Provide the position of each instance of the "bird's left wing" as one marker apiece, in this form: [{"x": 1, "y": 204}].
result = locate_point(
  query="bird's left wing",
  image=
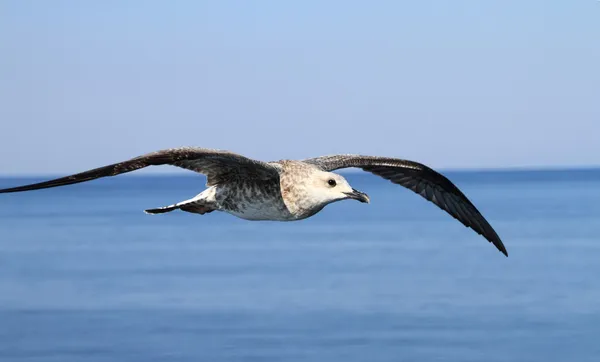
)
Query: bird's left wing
[
  {"x": 422, "y": 180},
  {"x": 217, "y": 165}
]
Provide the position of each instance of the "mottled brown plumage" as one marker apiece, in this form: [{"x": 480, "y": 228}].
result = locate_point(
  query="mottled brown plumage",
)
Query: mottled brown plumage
[{"x": 287, "y": 190}]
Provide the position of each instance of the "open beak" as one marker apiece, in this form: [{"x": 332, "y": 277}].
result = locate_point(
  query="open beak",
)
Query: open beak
[{"x": 357, "y": 195}]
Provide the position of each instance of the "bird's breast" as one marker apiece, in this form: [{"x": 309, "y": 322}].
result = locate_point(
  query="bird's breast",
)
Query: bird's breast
[
  {"x": 261, "y": 212},
  {"x": 254, "y": 201}
]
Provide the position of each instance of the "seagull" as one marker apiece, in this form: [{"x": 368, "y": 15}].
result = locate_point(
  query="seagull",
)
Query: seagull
[{"x": 287, "y": 190}]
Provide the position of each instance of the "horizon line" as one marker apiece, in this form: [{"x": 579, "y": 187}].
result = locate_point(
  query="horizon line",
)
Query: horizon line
[{"x": 176, "y": 172}]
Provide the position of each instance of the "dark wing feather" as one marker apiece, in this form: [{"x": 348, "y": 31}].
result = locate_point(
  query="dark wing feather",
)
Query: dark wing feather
[
  {"x": 422, "y": 180},
  {"x": 218, "y": 166}
]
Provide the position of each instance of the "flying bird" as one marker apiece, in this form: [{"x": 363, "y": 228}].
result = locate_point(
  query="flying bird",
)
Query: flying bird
[{"x": 287, "y": 190}]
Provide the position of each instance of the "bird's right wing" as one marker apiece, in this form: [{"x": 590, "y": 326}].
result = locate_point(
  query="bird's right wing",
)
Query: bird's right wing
[
  {"x": 422, "y": 180},
  {"x": 219, "y": 166}
]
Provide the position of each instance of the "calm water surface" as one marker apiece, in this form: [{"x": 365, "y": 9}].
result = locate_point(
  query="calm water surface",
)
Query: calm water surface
[{"x": 86, "y": 276}]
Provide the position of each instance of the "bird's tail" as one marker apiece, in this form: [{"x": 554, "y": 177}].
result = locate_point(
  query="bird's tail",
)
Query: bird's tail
[
  {"x": 161, "y": 210},
  {"x": 193, "y": 207},
  {"x": 198, "y": 205}
]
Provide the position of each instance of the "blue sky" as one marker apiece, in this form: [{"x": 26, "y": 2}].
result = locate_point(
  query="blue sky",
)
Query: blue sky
[{"x": 454, "y": 84}]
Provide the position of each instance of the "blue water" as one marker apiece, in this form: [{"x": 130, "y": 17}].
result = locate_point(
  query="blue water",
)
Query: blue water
[{"x": 86, "y": 276}]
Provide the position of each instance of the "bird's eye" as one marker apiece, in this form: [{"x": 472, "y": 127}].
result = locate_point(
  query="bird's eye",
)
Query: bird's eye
[{"x": 331, "y": 182}]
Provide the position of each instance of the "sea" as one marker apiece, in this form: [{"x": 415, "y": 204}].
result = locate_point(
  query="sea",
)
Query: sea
[{"x": 85, "y": 275}]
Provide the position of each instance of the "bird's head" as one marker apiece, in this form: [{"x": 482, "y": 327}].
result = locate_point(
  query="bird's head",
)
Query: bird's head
[{"x": 328, "y": 187}]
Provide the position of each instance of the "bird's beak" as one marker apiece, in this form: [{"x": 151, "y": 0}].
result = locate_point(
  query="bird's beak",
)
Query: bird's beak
[{"x": 357, "y": 195}]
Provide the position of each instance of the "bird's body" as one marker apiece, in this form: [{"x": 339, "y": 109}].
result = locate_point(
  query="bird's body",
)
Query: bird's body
[
  {"x": 248, "y": 200},
  {"x": 282, "y": 198},
  {"x": 287, "y": 190}
]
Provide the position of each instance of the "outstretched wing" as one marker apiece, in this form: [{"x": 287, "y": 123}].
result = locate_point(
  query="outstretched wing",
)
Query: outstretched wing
[
  {"x": 424, "y": 181},
  {"x": 218, "y": 166}
]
